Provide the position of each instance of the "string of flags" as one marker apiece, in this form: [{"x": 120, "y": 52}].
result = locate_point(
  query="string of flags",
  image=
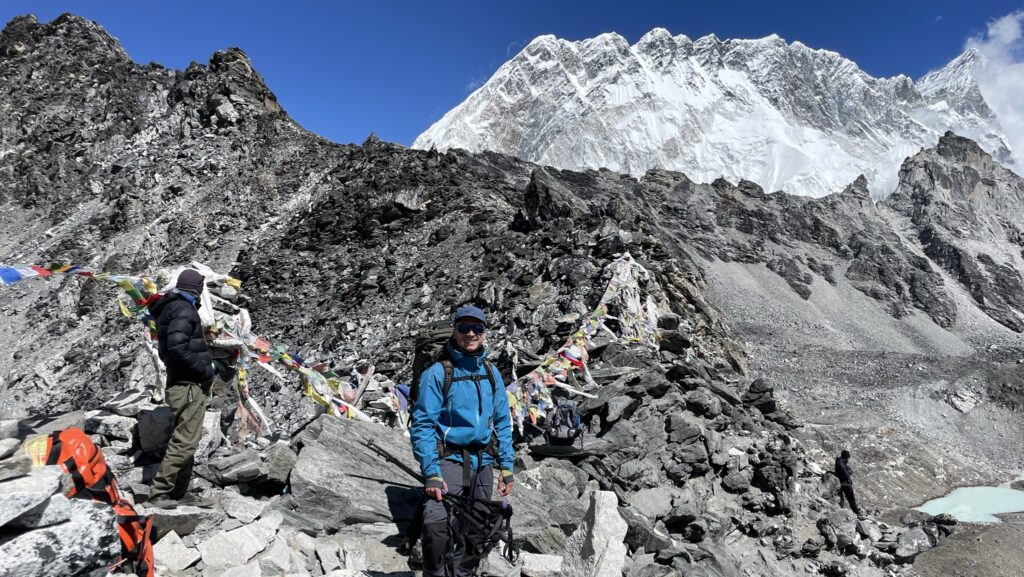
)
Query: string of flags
[
  {"x": 636, "y": 319},
  {"x": 229, "y": 328}
]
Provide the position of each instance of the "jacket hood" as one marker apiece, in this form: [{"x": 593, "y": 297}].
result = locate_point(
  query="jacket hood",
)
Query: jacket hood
[{"x": 162, "y": 302}]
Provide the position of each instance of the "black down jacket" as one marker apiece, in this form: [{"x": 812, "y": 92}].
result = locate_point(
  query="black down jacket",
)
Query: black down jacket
[{"x": 180, "y": 335}]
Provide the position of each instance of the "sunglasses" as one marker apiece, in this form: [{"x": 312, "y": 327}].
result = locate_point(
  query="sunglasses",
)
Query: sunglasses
[{"x": 465, "y": 328}]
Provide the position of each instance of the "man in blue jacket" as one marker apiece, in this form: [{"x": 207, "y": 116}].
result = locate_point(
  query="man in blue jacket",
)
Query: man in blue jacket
[{"x": 461, "y": 412}]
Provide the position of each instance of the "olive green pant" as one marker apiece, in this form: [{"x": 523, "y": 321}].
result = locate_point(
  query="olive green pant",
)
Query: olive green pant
[{"x": 188, "y": 405}]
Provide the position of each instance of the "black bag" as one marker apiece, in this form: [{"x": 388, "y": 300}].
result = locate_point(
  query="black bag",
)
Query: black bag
[
  {"x": 481, "y": 526},
  {"x": 563, "y": 424}
]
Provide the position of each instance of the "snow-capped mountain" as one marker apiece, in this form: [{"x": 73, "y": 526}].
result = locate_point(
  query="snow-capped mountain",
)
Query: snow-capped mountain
[{"x": 785, "y": 116}]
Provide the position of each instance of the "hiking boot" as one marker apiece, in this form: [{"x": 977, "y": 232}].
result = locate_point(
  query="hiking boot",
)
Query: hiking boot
[
  {"x": 190, "y": 500},
  {"x": 162, "y": 502}
]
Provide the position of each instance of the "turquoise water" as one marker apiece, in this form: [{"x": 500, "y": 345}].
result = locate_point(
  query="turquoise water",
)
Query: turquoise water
[{"x": 977, "y": 504}]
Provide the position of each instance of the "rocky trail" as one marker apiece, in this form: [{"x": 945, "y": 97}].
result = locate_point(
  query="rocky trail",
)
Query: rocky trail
[{"x": 343, "y": 252}]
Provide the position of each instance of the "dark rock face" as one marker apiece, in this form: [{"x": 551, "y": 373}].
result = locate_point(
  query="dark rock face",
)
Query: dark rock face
[{"x": 959, "y": 199}]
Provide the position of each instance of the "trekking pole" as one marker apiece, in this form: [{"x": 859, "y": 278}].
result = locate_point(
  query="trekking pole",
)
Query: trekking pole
[{"x": 394, "y": 460}]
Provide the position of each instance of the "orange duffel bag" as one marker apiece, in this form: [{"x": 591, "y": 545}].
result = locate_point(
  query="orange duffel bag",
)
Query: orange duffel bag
[{"x": 73, "y": 450}]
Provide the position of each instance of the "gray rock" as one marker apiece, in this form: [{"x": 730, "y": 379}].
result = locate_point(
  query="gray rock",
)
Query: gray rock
[
  {"x": 543, "y": 525},
  {"x": 243, "y": 467},
  {"x": 88, "y": 543},
  {"x": 185, "y": 520},
  {"x": 171, "y": 553},
  {"x": 8, "y": 447},
  {"x": 654, "y": 503},
  {"x": 328, "y": 552},
  {"x": 235, "y": 548},
  {"x": 23, "y": 494},
  {"x": 338, "y": 477},
  {"x": 16, "y": 466},
  {"x": 277, "y": 558},
  {"x": 46, "y": 424},
  {"x": 597, "y": 547},
  {"x": 8, "y": 428},
  {"x": 245, "y": 509},
  {"x": 535, "y": 565},
  {"x": 736, "y": 482},
  {"x": 109, "y": 425},
  {"x": 129, "y": 403},
  {"x": 280, "y": 459},
  {"x": 869, "y": 529},
  {"x": 54, "y": 510},
  {"x": 911, "y": 543}
]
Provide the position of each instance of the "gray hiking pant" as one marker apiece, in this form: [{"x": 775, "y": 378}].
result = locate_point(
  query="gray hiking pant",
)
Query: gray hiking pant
[
  {"x": 436, "y": 544},
  {"x": 188, "y": 405}
]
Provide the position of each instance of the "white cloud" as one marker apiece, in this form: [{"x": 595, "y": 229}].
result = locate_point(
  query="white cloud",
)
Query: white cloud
[{"x": 1001, "y": 78}]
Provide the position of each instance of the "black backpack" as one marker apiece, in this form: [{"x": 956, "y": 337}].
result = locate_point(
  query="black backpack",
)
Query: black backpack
[{"x": 563, "y": 424}]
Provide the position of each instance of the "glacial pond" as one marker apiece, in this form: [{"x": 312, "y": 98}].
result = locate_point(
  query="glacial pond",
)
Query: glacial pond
[{"x": 977, "y": 504}]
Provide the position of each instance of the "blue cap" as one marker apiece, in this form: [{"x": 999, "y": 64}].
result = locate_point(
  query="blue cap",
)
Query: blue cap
[{"x": 471, "y": 312}]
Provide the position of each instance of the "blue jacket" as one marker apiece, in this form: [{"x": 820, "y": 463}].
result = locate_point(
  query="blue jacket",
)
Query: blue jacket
[{"x": 468, "y": 416}]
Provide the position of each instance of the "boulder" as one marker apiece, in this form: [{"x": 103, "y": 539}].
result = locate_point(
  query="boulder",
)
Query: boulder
[
  {"x": 185, "y": 520},
  {"x": 23, "y": 494},
  {"x": 654, "y": 503},
  {"x": 534, "y": 565},
  {"x": 46, "y": 424},
  {"x": 129, "y": 403},
  {"x": 597, "y": 548},
  {"x": 236, "y": 547},
  {"x": 911, "y": 543},
  {"x": 280, "y": 459},
  {"x": 8, "y": 428},
  {"x": 245, "y": 509},
  {"x": 541, "y": 526},
  {"x": 16, "y": 466},
  {"x": 341, "y": 475},
  {"x": 8, "y": 447},
  {"x": 243, "y": 467},
  {"x": 109, "y": 425},
  {"x": 88, "y": 540},
  {"x": 170, "y": 553},
  {"x": 277, "y": 558},
  {"x": 54, "y": 510},
  {"x": 736, "y": 482}
]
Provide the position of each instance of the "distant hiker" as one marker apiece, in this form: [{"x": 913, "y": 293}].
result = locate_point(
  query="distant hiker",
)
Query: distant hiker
[
  {"x": 189, "y": 364},
  {"x": 460, "y": 408},
  {"x": 845, "y": 474}
]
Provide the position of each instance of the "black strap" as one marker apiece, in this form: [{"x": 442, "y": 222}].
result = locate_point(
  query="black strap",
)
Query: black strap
[{"x": 76, "y": 476}]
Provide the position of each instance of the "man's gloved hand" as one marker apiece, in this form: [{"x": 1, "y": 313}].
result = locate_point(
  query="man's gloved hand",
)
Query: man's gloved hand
[
  {"x": 434, "y": 490},
  {"x": 505, "y": 485}
]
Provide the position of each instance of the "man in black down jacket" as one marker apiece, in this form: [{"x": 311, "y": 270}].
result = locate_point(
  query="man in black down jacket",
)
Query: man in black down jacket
[
  {"x": 189, "y": 375},
  {"x": 845, "y": 474}
]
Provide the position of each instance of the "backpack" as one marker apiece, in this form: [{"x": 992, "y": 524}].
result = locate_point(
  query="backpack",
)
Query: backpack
[
  {"x": 82, "y": 459},
  {"x": 430, "y": 348},
  {"x": 563, "y": 424}
]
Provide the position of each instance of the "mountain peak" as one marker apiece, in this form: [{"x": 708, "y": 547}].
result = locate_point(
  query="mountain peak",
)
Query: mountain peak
[{"x": 786, "y": 116}]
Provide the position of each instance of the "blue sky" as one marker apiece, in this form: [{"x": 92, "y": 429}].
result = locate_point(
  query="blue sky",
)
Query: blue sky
[{"x": 344, "y": 69}]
